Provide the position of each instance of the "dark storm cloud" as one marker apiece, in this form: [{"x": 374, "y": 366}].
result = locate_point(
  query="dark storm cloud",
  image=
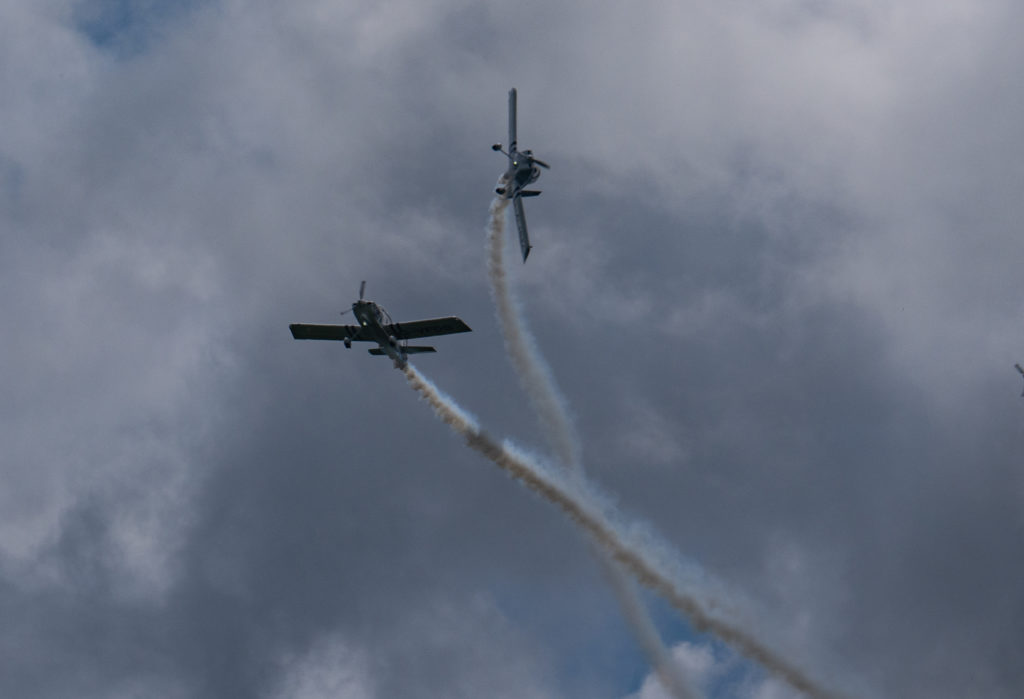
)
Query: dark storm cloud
[{"x": 776, "y": 275}]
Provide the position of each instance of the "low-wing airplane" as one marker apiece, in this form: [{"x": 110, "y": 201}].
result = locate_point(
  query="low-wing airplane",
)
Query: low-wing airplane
[
  {"x": 1021, "y": 373},
  {"x": 375, "y": 325},
  {"x": 522, "y": 170}
]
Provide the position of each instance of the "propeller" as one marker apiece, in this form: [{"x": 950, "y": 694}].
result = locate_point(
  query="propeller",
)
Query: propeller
[
  {"x": 540, "y": 162},
  {"x": 362, "y": 290}
]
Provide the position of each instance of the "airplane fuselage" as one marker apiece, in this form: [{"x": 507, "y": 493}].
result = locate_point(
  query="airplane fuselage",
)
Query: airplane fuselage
[
  {"x": 521, "y": 172},
  {"x": 371, "y": 320}
]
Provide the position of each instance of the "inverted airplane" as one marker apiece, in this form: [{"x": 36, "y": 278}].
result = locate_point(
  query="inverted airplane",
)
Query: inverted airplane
[
  {"x": 375, "y": 325},
  {"x": 522, "y": 170},
  {"x": 1021, "y": 373}
]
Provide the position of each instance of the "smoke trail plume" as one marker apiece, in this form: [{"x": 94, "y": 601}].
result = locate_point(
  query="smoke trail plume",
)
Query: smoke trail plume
[
  {"x": 649, "y": 561},
  {"x": 533, "y": 372},
  {"x": 666, "y": 668},
  {"x": 539, "y": 384}
]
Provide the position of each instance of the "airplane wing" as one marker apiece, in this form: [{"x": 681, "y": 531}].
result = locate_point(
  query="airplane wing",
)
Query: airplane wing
[
  {"x": 307, "y": 331},
  {"x": 427, "y": 328},
  {"x": 524, "y": 238},
  {"x": 511, "y": 120}
]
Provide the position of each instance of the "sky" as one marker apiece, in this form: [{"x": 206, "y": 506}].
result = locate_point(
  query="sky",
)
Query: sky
[{"x": 776, "y": 276}]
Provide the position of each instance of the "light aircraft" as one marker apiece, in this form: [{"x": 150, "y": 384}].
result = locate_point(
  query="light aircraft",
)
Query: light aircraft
[
  {"x": 375, "y": 325},
  {"x": 1021, "y": 373},
  {"x": 522, "y": 170}
]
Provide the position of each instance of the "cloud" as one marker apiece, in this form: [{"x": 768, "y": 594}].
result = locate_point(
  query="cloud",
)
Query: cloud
[
  {"x": 797, "y": 223},
  {"x": 717, "y": 672},
  {"x": 331, "y": 668}
]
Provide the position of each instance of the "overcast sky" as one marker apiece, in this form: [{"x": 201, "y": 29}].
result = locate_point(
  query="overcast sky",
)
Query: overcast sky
[{"x": 776, "y": 273}]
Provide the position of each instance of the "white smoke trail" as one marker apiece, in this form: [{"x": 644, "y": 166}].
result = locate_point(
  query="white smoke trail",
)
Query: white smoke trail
[
  {"x": 668, "y": 671},
  {"x": 649, "y": 561},
  {"x": 539, "y": 384},
  {"x": 533, "y": 371}
]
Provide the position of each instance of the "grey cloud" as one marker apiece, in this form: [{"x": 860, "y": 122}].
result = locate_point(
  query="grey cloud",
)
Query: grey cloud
[{"x": 790, "y": 239}]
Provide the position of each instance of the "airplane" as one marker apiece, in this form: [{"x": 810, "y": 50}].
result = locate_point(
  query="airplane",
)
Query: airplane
[
  {"x": 375, "y": 325},
  {"x": 522, "y": 170},
  {"x": 1021, "y": 373}
]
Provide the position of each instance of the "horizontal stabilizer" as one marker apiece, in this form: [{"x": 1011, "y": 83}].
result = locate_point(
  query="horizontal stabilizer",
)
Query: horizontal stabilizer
[
  {"x": 378, "y": 352},
  {"x": 529, "y": 193}
]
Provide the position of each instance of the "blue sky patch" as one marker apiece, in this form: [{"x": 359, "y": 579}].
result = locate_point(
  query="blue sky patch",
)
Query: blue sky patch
[{"x": 128, "y": 27}]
